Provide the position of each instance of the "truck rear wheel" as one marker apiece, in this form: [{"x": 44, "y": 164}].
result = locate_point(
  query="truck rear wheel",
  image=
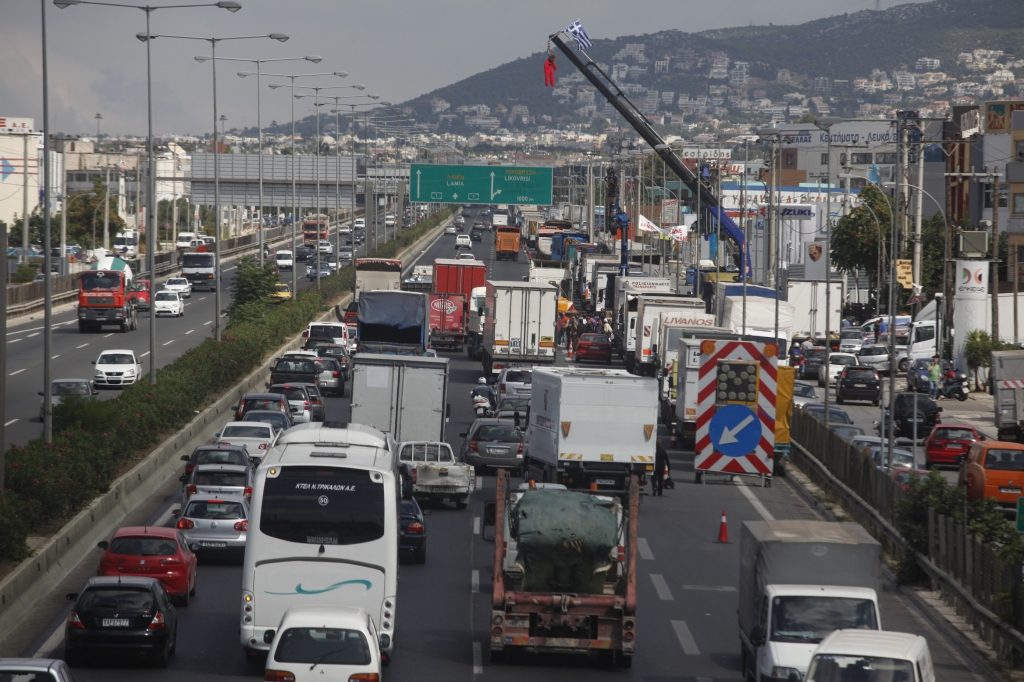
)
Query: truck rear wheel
[{"x": 83, "y": 326}]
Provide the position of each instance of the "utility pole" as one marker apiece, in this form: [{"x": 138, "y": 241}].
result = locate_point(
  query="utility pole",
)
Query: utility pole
[
  {"x": 918, "y": 211},
  {"x": 994, "y": 276},
  {"x": 24, "y": 200}
]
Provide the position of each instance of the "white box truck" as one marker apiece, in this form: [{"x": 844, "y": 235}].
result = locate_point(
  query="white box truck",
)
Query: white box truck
[
  {"x": 799, "y": 581},
  {"x": 684, "y": 379},
  {"x": 402, "y": 395},
  {"x": 627, "y": 292},
  {"x": 591, "y": 427},
  {"x": 519, "y": 325},
  {"x": 650, "y": 309}
]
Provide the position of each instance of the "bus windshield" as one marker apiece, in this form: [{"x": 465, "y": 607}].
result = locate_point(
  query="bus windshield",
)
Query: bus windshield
[{"x": 323, "y": 506}]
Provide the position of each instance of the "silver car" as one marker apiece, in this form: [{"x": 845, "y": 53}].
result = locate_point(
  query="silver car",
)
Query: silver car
[
  {"x": 218, "y": 479},
  {"x": 63, "y": 388},
  {"x": 36, "y": 669},
  {"x": 874, "y": 356},
  {"x": 215, "y": 522},
  {"x": 513, "y": 381},
  {"x": 495, "y": 443}
]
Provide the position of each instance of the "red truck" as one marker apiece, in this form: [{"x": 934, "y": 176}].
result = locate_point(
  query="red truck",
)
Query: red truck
[
  {"x": 456, "y": 279},
  {"x": 565, "y": 569},
  {"x": 447, "y": 321},
  {"x": 103, "y": 299}
]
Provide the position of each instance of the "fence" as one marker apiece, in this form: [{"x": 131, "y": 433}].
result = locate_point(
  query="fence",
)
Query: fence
[{"x": 982, "y": 586}]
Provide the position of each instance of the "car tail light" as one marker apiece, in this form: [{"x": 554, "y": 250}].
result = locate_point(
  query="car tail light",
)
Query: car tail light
[
  {"x": 242, "y": 525},
  {"x": 158, "y": 622},
  {"x": 474, "y": 446},
  {"x": 248, "y": 491},
  {"x": 414, "y": 528},
  {"x": 191, "y": 489},
  {"x": 186, "y": 524},
  {"x": 278, "y": 676},
  {"x": 620, "y": 553},
  {"x": 335, "y": 374},
  {"x": 364, "y": 677},
  {"x": 305, "y": 404},
  {"x": 74, "y": 622}
]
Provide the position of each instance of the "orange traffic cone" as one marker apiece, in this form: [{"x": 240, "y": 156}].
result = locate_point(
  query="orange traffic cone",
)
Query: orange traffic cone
[
  {"x": 723, "y": 530},
  {"x": 568, "y": 351}
]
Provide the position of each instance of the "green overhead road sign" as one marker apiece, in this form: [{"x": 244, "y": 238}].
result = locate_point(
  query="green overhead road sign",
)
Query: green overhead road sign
[{"x": 480, "y": 184}]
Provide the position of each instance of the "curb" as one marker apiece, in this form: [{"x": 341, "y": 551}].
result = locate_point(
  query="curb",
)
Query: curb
[{"x": 41, "y": 573}]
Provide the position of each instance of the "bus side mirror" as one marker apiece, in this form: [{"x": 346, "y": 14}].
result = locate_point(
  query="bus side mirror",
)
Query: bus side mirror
[{"x": 490, "y": 513}]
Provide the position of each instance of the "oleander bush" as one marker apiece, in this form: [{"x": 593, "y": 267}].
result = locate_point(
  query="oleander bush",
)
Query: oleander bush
[{"x": 95, "y": 441}]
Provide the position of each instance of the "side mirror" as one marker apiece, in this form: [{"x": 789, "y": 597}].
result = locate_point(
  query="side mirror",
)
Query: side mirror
[
  {"x": 194, "y": 547},
  {"x": 176, "y": 512},
  {"x": 757, "y": 635},
  {"x": 103, "y": 544},
  {"x": 464, "y": 434},
  {"x": 183, "y": 478},
  {"x": 268, "y": 636},
  {"x": 94, "y": 362},
  {"x": 490, "y": 513},
  {"x": 184, "y": 458}
]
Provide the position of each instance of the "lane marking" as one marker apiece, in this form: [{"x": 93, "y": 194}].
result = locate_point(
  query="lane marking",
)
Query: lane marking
[
  {"x": 476, "y": 525},
  {"x": 644, "y": 549},
  {"x": 82, "y": 345},
  {"x": 708, "y": 588},
  {"x": 474, "y": 582},
  {"x": 203, "y": 298},
  {"x": 478, "y": 659},
  {"x": 207, "y": 323},
  {"x": 32, "y": 334},
  {"x": 17, "y": 371},
  {"x": 107, "y": 336},
  {"x": 11, "y": 422},
  {"x": 479, "y": 482},
  {"x": 685, "y": 637},
  {"x": 756, "y": 503},
  {"x": 54, "y": 357},
  {"x": 144, "y": 354},
  {"x": 661, "y": 587},
  {"x": 189, "y": 332},
  {"x": 14, "y": 341},
  {"x": 166, "y": 343}
]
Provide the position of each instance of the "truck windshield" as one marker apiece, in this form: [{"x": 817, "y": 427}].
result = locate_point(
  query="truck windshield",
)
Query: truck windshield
[
  {"x": 197, "y": 260},
  {"x": 98, "y": 281},
  {"x": 838, "y": 668},
  {"x": 811, "y": 619}
]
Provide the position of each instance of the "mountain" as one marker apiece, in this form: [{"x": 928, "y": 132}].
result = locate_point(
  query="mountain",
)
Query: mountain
[{"x": 844, "y": 47}]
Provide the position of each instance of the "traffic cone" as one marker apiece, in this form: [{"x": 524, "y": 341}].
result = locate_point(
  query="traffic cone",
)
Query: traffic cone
[
  {"x": 568, "y": 351},
  {"x": 723, "y": 530}
]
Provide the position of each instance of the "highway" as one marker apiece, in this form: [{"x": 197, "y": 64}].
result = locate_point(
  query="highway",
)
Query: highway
[{"x": 687, "y": 581}]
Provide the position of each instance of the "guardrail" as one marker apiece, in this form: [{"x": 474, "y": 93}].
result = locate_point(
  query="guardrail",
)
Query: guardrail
[{"x": 983, "y": 587}]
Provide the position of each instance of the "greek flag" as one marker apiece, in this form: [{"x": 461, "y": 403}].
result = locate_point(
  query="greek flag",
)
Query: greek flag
[{"x": 576, "y": 30}]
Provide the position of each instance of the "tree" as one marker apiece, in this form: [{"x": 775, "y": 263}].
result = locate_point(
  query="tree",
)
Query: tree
[
  {"x": 978, "y": 353},
  {"x": 857, "y": 236},
  {"x": 933, "y": 254},
  {"x": 253, "y": 283},
  {"x": 85, "y": 215}
]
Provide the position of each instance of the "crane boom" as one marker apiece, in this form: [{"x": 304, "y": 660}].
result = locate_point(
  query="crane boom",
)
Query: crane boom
[{"x": 618, "y": 99}]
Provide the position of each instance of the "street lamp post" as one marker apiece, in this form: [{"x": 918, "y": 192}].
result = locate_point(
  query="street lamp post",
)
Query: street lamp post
[
  {"x": 337, "y": 166},
  {"x": 352, "y": 198},
  {"x": 259, "y": 122},
  {"x": 213, "y": 40},
  {"x": 229, "y": 5}
]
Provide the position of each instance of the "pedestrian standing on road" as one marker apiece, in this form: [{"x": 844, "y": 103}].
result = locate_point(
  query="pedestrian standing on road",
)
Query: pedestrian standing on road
[
  {"x": 560, "y": 329},
  {"x": 934, "y": 375},
  {"x": 607, "y": 327},
  {"x": 574, "y": 332},
  {"x": 660, "y": 466}
]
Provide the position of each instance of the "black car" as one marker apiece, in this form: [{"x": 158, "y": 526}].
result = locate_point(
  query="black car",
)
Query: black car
[
  {"x": 304, "y": 252},
  {"x": 813, "y": 359},
  {"x": 475, "y": 234},
  {"x": 911, "y": 409},
  {"x": 293, "y": 370},
  {"x": 835, "y": 414},
  {"x": 858, "y": 383},
  {"x": 413, "y": 539},
  {"x": 121, "y": 614}
]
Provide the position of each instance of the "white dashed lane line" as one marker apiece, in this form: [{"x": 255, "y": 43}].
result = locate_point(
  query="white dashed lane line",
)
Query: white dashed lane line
[
  {"x": 10, "y": 422},
  {"x": 644, "y": 549},
  {"x": 82, "y": 345},
  {"x": 685, "y": 637},
  {"x": 17, "y": 371},
  {"x": 661, "y": 587}
]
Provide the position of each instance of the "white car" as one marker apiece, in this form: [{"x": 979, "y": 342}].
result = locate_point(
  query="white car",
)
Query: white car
[
  {"x": 450, "y": 230},
  {"x": 324, "y": 643},
  {"x": 326, "y": 246},
  {"x": 827, "y": 375},
  {"x": 465, "y": 255},
  {"x": 463, "y": 241},
  {"x": 116, "y": 368},
  {"x": 179, "y": 285},
  {"x": 168, "y": 303},
  {"x": 359, "y": 223},
  {"x": 285, "y": 260},
  {"x": 257, "y": 437}
]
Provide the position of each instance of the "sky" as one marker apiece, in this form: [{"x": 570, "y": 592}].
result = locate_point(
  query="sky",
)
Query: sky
[{"x": 399, "y": 49}]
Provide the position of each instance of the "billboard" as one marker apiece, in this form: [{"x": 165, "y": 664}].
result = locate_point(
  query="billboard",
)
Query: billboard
[
  {"x": 815, "y": 261},
  {"x": 998, "y": 115}
]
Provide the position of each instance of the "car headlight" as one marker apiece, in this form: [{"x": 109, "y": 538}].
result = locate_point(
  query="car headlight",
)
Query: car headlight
[
  {"x": 789, "y": 674},
  {"x": 99, "y": 374}
]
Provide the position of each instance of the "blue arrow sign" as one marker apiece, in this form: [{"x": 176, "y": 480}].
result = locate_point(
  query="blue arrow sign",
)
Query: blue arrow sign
[
  {"x": 735, "y": 430},
  {"x": 6, "y": 168}
]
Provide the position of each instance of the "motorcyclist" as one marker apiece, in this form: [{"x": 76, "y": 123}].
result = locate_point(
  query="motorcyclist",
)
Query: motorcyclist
[{"x": 483, "y": 389}]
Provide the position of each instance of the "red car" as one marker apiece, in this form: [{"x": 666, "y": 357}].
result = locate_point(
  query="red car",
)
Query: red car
[
  {"x": 152, "y": 552},
  {"x": 138, "y": 293},
  {"x": 948, "y": 444},
  {"x": 594, "y": 347}
]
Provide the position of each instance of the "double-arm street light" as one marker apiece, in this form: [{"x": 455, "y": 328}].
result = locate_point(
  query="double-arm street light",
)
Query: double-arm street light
[
  {"x": 213, "y": 40},
  {"x": 337, "y": 169},
  {"x": 295, "y": 207},
  {"x": 229, "y": 5},
  {"x": 259, "y": 122},
  {"x": 352, "y": 111}
]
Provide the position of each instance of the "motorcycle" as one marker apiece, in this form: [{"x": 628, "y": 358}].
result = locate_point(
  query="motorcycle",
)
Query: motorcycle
[
  {"x": 483, "y": 401},
  {"x": 954, "y": 386}
]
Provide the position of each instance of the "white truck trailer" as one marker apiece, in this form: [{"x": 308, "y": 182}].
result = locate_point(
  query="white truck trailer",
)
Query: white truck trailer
[
  {"x": 650, "y": 309},
  {"x": 402, "y": 395},
  {"x": 519, "y": 325},
  {"x": 591, "y": 428}
]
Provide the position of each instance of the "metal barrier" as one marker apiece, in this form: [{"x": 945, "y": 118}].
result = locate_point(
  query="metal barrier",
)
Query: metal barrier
[{"x": 983, "y": 587}]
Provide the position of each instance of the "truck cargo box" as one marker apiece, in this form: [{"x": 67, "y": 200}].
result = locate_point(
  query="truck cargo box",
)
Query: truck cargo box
[{"x": 405, "y": 396}]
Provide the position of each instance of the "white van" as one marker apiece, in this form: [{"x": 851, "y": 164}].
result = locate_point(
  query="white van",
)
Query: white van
[
  {"x": 337, "y": 332},
  {"x": 853, "y": 655},
  {"x": 186, "y": 240},
  {"x": 285, "y": 260}
]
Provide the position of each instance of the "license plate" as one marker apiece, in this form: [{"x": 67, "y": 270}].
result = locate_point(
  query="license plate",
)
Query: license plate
[
  {"x": 860, "y": 385},
  {"x": 214, "y": 545},
  {"x": 442, "y": 472},
  {"x": 497, "y": 451},
  {"x": 115, "y": 622},
  {"x": 604, "y": 481},
  {"x": 1010, "y": 491}
]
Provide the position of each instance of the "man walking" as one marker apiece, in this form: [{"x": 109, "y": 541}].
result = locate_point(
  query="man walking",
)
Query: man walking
[
  {"x": 934, "y": 375},
  {"x": 660, "y": 465}
]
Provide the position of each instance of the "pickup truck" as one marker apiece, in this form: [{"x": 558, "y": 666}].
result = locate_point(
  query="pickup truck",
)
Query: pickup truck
[
  {"x": 437, "y": 473},
  {"x": 294, "y": 370}
]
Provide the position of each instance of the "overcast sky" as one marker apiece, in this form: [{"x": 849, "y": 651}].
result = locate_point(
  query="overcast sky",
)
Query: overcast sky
[{"x": 398, "y": 48}]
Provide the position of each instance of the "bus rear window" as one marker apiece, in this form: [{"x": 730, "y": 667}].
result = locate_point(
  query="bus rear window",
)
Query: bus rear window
[{"x": 323, "y": 506}]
